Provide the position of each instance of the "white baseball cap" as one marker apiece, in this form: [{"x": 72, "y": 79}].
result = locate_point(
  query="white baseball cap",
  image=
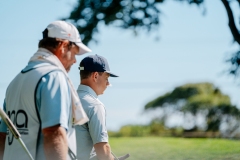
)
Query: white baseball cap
[{"x": 67, "y": 31}]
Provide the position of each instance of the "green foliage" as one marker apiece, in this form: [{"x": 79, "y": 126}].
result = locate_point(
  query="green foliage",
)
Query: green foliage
[
  {"x": 199, "y": 98},
  {"x": 200, "y": 95},
  {"x": 234, "y": 61},
  {"x": 125, "y": 14},
  {"x": 135, "y": 15},
  {"x": 155, "y": 128},
  {"x": 133, "y": 131}
]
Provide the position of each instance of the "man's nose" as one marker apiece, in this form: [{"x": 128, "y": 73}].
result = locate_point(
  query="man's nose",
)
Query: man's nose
[{"x": 109, "y": 84}]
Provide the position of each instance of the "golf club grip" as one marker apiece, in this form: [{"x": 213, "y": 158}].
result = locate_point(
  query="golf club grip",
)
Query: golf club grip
[
  {"x": 124, "y": 157},
  {"x": 10, "y": 125}
]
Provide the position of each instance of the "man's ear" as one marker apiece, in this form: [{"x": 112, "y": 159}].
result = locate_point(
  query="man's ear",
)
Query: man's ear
[
  {"x": 95, "y": 76},
  {"x": 59, "y": 49}
]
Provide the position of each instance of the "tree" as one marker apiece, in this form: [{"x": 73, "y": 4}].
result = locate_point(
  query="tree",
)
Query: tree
[
  {"x": 199, "y": 99},
  {"x": 136, "y": 15}
]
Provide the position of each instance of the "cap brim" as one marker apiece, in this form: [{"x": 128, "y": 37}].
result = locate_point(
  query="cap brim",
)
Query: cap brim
[
  {"x": 111, "y": 74},
  {"x": 82, "y": 48}
]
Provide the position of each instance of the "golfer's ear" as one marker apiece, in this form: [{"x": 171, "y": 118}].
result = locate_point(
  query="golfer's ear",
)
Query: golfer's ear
[
  {"x": 58, "y": 51},
  {"x": 95, "y": 76}
]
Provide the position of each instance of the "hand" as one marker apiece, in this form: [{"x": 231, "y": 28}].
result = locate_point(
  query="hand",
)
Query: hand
[{"x": 123, "y": 157}]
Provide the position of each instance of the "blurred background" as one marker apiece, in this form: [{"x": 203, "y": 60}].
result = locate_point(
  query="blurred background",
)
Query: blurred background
[{"x": 183, "y": 42}]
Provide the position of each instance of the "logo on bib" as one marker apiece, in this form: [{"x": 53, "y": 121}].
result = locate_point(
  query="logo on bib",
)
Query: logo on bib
[{"x": 20, "y": 120}]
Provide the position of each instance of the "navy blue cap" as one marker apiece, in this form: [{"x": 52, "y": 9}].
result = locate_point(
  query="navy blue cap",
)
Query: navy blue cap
[{"x": 95, "y": 63}]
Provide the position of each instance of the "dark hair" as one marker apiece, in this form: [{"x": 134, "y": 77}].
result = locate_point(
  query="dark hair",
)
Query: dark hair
[
  {"x": 85, "y": 74},
  {"x": 48, "y": 43},
  {"x": 52, "y": 43}
]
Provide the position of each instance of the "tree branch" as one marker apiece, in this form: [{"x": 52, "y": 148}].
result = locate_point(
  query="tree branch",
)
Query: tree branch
[{"x": 231, "y": 23}]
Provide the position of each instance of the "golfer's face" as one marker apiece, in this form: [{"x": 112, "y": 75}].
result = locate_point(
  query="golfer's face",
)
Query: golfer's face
[
  {"x": 69, "y": 58},
  {"x": 102, "y": 82}
]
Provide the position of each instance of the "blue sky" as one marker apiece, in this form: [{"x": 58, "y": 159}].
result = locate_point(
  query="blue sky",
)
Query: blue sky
[{"x": 192, "y": 48}]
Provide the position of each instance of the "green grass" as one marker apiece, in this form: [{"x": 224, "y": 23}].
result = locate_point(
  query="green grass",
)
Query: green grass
[{"x": 160, "y": 148}]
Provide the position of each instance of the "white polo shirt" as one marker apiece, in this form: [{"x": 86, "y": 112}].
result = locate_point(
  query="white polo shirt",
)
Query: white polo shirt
[{"x": 95, "y": 130}]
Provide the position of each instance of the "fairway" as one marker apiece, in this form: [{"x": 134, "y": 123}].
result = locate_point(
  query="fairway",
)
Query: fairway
[{"x": 160, "y": 148}]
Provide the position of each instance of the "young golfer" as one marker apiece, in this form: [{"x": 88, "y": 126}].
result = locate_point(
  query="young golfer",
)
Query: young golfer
[{"x": 92, "y": 137}]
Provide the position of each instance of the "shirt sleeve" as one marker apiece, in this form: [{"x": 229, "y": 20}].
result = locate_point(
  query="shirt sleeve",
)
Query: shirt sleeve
[
  {"x": 97, "y": 124},
  {"x": 3, "y": 126},
  {"x": 53, "y": 99}
]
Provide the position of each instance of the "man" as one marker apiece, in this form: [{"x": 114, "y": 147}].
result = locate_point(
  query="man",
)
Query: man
[
  {"x": 41, "y": 100},
  {"x": 92, "y": 137},
  {"x": 94, "y": 73}
]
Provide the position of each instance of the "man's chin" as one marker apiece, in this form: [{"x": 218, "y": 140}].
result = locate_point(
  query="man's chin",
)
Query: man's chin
[{"x": 68, "y": 69}]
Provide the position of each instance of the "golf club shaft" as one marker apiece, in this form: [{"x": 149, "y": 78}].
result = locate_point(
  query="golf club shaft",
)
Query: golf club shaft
[
  {"x": 71, "y": 154},
  {"x": 9, "y": 123},
  {"x": 14, "y": 131},
  {"x": 25, "y": 148},
  {"x": 114, "y": 156}
]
